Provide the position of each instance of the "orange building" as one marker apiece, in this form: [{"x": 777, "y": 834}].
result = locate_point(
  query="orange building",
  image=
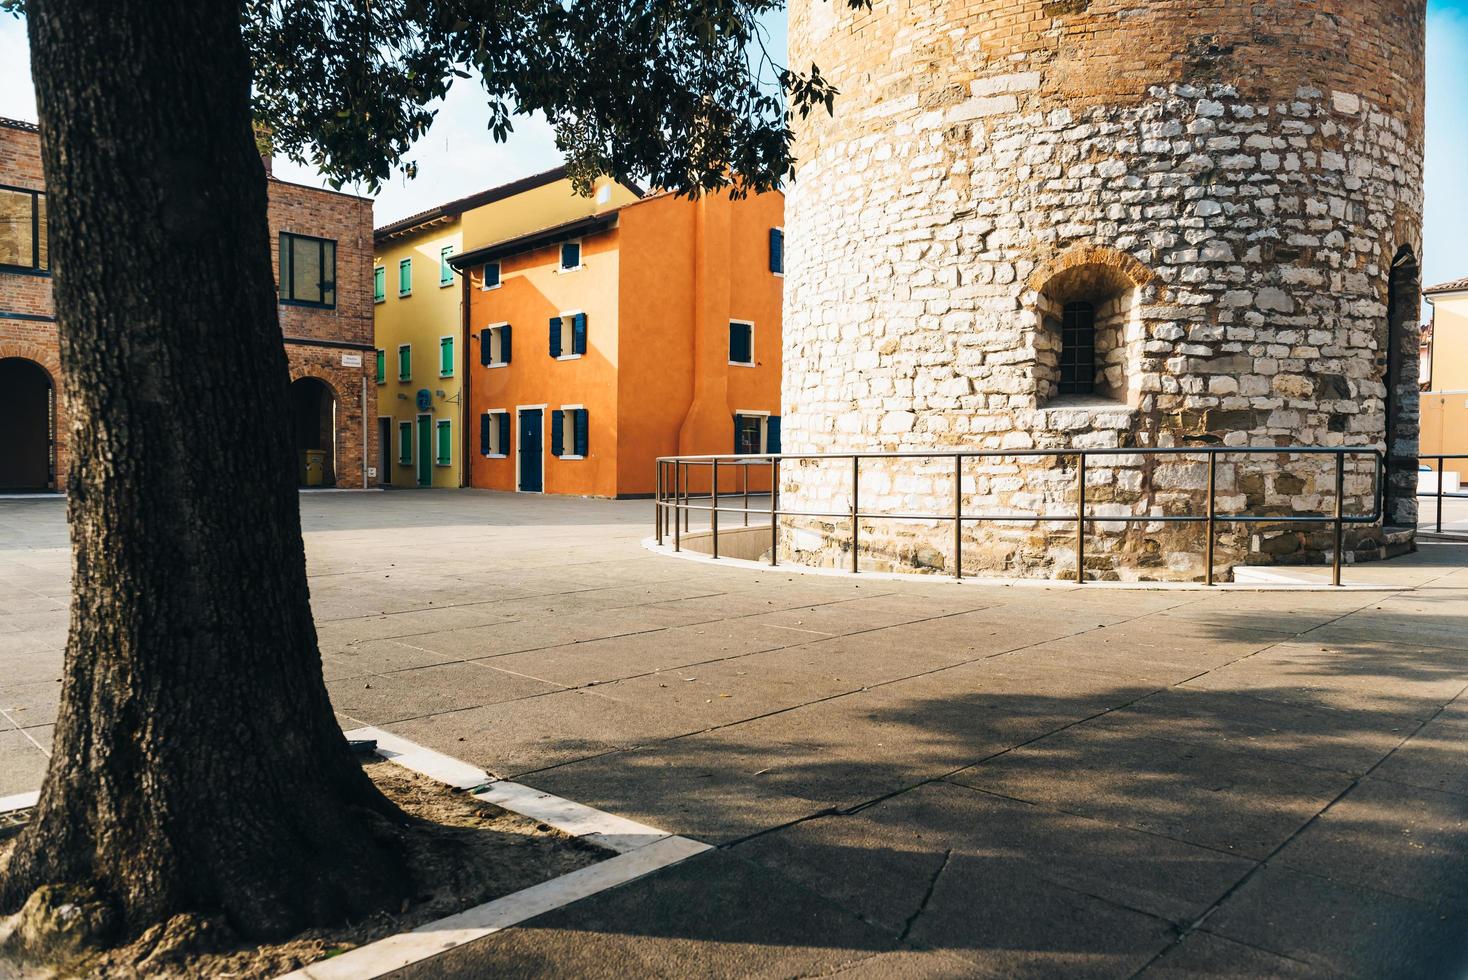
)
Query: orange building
[{"x": 601, "y": 343}]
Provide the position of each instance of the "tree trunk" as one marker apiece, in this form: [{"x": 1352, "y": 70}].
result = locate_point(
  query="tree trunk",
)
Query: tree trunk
[{"x": 197, "y": 766}]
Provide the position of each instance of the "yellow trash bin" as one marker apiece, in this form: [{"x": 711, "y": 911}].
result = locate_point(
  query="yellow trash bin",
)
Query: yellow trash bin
[{"x": 313, "y": 467}]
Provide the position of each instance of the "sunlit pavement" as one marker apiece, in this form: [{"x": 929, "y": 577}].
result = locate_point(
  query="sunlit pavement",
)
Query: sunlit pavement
[{"x": 915, "y": 779}]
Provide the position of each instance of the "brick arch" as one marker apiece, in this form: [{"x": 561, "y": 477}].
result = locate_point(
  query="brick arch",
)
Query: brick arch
[
  {"x": 1094, "y": 256},
  {"x": 47, "y": 359},
  {"x": 302, "y": 373}
]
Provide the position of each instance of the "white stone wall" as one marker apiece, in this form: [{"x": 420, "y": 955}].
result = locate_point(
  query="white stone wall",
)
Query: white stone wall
[{"x": 1256, "y": 240}]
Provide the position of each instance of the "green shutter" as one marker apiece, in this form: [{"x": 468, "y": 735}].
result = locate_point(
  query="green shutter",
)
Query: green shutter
[
  {"x": 405, "y": 277},
  {"x": 379, "y": 284},
  {"x": 405, "y": 363},
  {"x": 381, "y": 365},
  {"x": 445, "y": 435},
  {"x": 405, "y": 443},
  {"x": 445, "y": 271},
  {"x": 446, "y": 357}
]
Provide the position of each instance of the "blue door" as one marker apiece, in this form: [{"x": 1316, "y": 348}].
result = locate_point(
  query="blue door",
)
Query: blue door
[{"x": 532, "y": 423}]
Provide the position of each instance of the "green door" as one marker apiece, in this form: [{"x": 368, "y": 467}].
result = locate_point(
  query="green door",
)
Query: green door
[{"x": 425, "y": 450}]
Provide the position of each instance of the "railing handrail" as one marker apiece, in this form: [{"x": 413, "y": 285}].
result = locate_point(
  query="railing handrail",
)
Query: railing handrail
[{"x": 679, "y": 502}]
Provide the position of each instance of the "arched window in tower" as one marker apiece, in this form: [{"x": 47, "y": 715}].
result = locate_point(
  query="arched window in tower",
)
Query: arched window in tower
[{"x": 1078, "y": 349}]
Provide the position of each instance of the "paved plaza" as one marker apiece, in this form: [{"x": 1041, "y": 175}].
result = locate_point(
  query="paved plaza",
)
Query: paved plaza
[{"x": 914, "y": 779}]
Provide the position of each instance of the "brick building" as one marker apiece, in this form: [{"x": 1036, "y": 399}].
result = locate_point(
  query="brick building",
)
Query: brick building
[
  {"x": 324, "y": 240},
  {"x": 1097, "y": 223}
]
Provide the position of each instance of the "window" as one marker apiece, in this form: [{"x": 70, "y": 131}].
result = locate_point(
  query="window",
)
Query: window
[
  {"x": 568, "y": 335},
  {"x": 494, "y": 433},
  {"x": 443, "y": 442},
  {"x": 405, "y": 277},
  {"x": 23, "y": 244},
  {"x": 405, "y": 443},
  {"x": 379, "y": 284},
  {"x": 569, "y": 432},
  {"x": 445, "y": 357},
  {"x": 1078, "y": 349},
  {"x": 741, "y": 343},
  {"x": 307, "y": 270},
  {"x": 570, "y": 256},
  {"x": 491, "y": 275},
  {"x": 756, "y": 433},
  {"x": 777, "y": 251},
  {"x": 494, "y": 345},
  {"x": 445, "y": 271},
  {"x": 405, "y": 362},
  {"x": 381, "y": 366}
]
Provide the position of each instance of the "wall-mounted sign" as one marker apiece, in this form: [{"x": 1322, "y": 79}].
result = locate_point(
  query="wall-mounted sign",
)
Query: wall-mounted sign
[
  {"x": 425, "y": 399},
  {"x": 351, "y": 360}
]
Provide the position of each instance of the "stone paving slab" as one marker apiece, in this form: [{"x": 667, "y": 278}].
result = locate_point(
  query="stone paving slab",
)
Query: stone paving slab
[{"x": 911, "y": 778}]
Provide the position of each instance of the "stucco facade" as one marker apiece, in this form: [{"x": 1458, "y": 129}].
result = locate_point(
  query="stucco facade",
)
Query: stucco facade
[
  {"x": 1445, "y": 398},
  {"x": 1226, "y": 199},
  {"x": 633, "y": 343}
]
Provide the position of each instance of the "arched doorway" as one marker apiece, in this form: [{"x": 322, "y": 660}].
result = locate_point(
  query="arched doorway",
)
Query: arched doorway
[
  {"x": 27, "y": 427},
  {"x": 313, "y": 427}
]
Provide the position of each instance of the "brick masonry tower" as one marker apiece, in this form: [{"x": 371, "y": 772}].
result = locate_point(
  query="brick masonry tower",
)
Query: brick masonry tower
[{"x": 1103, "y": 223}]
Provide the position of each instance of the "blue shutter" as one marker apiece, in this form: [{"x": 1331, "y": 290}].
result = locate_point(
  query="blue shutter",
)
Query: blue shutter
[
  {"x": 737, "y": 418},
  {"x": 558, "y": 428},
  {"x": 504, "y": 420},
  {"x": 772, "y": 435},
  {"x": 777, "y": 250},
  {"x": 555, "y": 336},
  {"x": 484, "y": 421},
  {"x": 578, "y": 334},
  {"x": 485, "y": 345},
  {"x": 505, "y": 345},
  {"x": 579, "y": 420}
]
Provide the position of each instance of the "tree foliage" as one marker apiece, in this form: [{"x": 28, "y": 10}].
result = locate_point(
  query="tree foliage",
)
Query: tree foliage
[{"x": 678, "y": 93}]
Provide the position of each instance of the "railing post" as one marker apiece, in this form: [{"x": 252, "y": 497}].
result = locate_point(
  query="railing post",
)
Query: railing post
[
  {"x": 714, "y": 507},
  {"x": 774, "y": 511},
  {"x": 677, "y": 505},
  {"x": 744, "y": 467},
  {"x": 855, "y": 512},
  {"x": 1442, "y": 461},
  {"x": 958, "y": 516},
  {"x": 1340, "y": 528},
  {"x": 1081, "y": 519},
  {"x": 1212, "y": 517},
  {"x": 657, "y": 505}
]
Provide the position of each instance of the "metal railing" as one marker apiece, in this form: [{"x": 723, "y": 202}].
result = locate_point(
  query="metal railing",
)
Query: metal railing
[
  {"x": 1441, "y": 459},
  {"x": 673, "y": 497}
]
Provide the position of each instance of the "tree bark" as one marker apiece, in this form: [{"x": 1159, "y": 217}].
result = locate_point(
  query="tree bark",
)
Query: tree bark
[{"x": 197, "y": 766}]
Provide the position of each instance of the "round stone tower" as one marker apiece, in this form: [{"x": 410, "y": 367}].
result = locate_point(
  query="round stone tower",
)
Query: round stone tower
[{"x": 1060, "y": 224}]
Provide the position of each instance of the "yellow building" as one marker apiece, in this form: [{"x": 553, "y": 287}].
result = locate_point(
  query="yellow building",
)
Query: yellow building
[
  {"x": 419, "y": 319},
  {"x": 1445, "y": 380}
]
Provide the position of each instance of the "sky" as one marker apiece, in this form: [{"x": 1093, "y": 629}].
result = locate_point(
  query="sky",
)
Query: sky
[{"x": 458, "y": 156}]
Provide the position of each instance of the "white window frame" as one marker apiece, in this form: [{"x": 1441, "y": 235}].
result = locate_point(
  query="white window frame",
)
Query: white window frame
[
  {"x": 483, "y": 279},
  {"x": 454, "y": 367},
  {"x": 568, "y": 334},
  {"x": 409, "y": 349},
  {"x": 503, "y": 451},
  {"x": 436, "y": 460},
  {"x": 561, "y": 267},
  {"x": 751, "y": 362},
  {"x": 764, "y": 426},
  {"x": 781, "y": 273},
  {"x": 569, "y": 436},
  {"x": 544, "y": 445},
  {"x": 497, "y": 337},
  {"x": 409, "y": 262}
]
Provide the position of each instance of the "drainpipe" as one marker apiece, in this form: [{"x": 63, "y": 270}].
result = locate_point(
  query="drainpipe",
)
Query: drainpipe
[
  {"x": 708, "y": 414},
  {"x": 366, "y": 444},
  {"x": 466, "y": 385}
]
